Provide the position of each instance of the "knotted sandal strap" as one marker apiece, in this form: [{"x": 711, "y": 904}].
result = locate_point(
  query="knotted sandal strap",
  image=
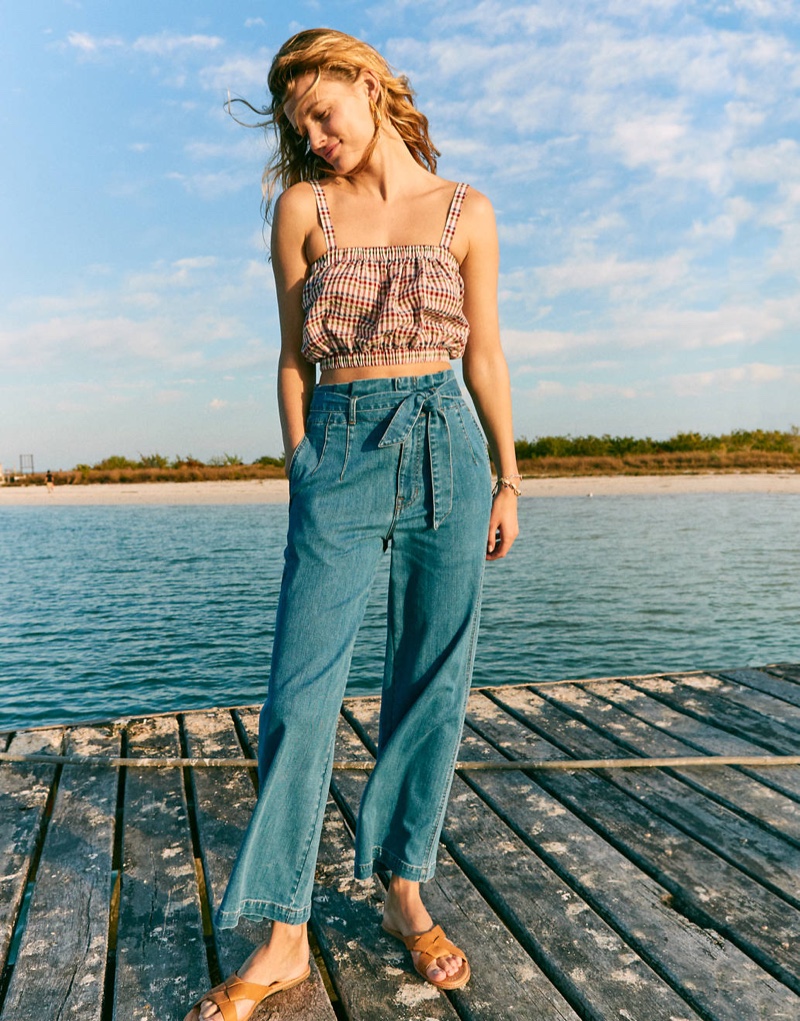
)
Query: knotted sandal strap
[
  {"x": 430, "y": 945},
  {"x": 228, "y": 993},
  {"x": 234, "y": 989}
]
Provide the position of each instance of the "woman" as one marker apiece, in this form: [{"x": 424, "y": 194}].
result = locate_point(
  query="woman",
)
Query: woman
[{"x": 383, "y": 271}]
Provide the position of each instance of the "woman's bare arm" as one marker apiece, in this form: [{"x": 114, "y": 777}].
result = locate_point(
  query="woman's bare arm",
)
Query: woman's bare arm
[
  {"x": 485, "y": 369},
  {"x": 296, "y": 376}
]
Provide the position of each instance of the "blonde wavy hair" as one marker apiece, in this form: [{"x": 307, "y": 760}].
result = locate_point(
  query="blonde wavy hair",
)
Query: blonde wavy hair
[{"x": 326, "y": 52}]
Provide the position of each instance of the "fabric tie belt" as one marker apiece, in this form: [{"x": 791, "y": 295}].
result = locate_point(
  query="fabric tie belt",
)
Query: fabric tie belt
[{"x": 429, "y": 403}]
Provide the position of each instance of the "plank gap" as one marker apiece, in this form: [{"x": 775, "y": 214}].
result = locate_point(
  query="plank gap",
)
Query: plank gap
[
  {"x": 246, "y": 746},
  {"x": 109, "y": 982},
  {"x": 212, "y": 956},
  {"x": 327, "y": 981},
  {"x": 19, "y": 929},
  {"x": 361, "y": 731},
  {"x": 107, "y": 1009}
]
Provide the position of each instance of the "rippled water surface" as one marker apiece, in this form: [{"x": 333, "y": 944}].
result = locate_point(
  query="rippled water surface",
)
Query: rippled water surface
[{"x": 108, "y": 611}]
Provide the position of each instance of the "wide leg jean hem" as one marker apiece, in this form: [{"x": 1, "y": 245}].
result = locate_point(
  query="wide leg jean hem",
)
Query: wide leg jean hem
[
  {"x": 385, "y": 861},
  {"x": 260, "y": 910}
]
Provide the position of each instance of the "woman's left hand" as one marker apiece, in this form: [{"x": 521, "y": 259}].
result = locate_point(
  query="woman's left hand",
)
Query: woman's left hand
[{"x": 503, "y": 524}]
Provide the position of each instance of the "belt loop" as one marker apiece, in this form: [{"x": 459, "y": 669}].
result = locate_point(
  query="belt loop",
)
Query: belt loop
[{"x": 351, "y": 411}]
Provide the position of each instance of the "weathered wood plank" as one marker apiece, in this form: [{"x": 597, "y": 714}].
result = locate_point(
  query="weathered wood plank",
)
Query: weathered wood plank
[
  {"x": 715, "y": 701},
  {"x": 735, "y": 792},
  {"x": 24, "y": 790},
  {"x": 505, "y": 982},
  {"x": 592, "y": 966},
  {"x": 161, "y": 958},
  {"x": 788, "y": 671},
  {"x": 758, "y": 680},
  {"x": 224, "y": 800},
  {"x": 713, "y": 975},
  {"x": 700, "y": 736},
  {"x": 60, "y": 970},
  {"x": 703, "y": 885}
]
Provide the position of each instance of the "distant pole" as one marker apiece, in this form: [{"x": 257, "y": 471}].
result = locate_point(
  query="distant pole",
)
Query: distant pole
[{"x": 26, "y": 464}]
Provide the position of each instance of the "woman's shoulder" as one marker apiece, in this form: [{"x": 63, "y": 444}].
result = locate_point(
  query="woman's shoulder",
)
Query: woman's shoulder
[
  {"x": 475, "y": 206},
  {"x": 476, "y": 203},
  {"x": 296, "y": 199},
  {"x": 295, "y": 214},
  {"x": 476, "y": 221}
]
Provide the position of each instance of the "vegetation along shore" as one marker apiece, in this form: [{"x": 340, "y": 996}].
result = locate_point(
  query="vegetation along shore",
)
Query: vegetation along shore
[{"x": 546, "y": 456}]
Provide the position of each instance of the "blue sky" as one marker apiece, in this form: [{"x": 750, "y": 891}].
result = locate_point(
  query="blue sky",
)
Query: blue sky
[{"x": 643, "y": 158}]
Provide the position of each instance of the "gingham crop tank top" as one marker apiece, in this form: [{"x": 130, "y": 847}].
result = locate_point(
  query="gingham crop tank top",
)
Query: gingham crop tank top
[{"x": 389, "y": 305}]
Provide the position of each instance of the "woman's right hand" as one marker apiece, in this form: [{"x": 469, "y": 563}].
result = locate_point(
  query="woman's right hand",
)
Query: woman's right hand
[{"x": 287, "y": 463}]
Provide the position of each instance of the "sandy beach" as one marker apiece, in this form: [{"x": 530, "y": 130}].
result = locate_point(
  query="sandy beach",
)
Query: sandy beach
[{"x": 276, "y": 490}]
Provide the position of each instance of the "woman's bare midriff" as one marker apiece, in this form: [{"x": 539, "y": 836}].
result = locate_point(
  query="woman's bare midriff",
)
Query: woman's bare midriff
[{"x": 350, "y": 375}]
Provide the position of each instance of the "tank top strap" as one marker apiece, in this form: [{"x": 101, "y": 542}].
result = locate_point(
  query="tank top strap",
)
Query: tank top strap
[
  {"x": 324, "y": 214},
  {"x": 452, "y": 216}
]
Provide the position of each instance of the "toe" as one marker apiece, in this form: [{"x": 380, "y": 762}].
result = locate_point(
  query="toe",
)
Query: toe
[
  {"x": 435, "y": 973},
  {"x": 450, "y": 965}
]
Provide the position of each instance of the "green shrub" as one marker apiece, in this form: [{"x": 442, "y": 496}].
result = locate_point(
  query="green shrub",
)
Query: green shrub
[
  {"x": 113, "y": 463},
  {"x": 153, "y": 461}
]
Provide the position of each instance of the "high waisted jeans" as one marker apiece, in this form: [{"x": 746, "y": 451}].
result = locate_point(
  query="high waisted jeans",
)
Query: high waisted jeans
[{"x": 395, "y": 465}]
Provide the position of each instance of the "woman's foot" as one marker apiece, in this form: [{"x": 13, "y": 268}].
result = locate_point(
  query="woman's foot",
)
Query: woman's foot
[
  {"x": 283, "y": 958},
  {"x": 404, "y": 912}
]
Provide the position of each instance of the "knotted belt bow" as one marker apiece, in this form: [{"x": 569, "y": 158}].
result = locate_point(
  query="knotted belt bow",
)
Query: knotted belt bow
[{"x": 429, "y": 403}]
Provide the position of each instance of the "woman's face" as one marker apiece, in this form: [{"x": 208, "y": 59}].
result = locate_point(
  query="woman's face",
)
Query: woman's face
[{"x": 335, "y": 116}]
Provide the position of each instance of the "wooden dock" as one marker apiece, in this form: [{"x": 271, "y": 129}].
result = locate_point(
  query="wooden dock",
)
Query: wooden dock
[{"x": 641, "y": 894}]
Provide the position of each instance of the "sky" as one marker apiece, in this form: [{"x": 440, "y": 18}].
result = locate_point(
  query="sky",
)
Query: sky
[{"x": 643, "y": 158}]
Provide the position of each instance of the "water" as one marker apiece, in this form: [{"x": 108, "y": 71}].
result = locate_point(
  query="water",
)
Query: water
[{"x": 109, "y": 611}]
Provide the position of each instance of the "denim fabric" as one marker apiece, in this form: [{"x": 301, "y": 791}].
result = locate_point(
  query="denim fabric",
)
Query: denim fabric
[{"x": 393, "y": 467}]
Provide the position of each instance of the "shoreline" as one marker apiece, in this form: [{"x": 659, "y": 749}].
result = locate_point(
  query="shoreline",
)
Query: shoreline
[{"x": 257, "y": 491}]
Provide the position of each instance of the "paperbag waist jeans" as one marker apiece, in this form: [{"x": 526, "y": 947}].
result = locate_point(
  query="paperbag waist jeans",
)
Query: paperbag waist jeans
[{"x": 394, "y": 467}]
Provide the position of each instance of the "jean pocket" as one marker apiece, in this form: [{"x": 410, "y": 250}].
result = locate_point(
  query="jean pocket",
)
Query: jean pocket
[
  {"x": 309, "y": 452},
  {"x": 473, "y": 434},
  {"x": 296, "y": 454}
]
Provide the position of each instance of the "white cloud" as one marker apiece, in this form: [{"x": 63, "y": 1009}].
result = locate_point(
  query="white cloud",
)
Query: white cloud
[
  {"x": 768, "y": 164},
  {"x": 581, "y": 391},
  {"x": 241, "y": 74},
  {"x": 213, "y": 184},
  {"x": 217, "y": 404},
  {"x": 183, "y": 316},
  {"x": 181, "y": 273},
  {"x": 249, "y": 146},
  {"x": 166, "y": 44},
  {"x": 167, "y": 397},
  {"x": 163, "y": 45},
  {"x": 724, "y": 226},
  {"x": 609, "y": 272},
  {"x": 732, "y": 378},
  {"x": 90, "y": 45}
]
